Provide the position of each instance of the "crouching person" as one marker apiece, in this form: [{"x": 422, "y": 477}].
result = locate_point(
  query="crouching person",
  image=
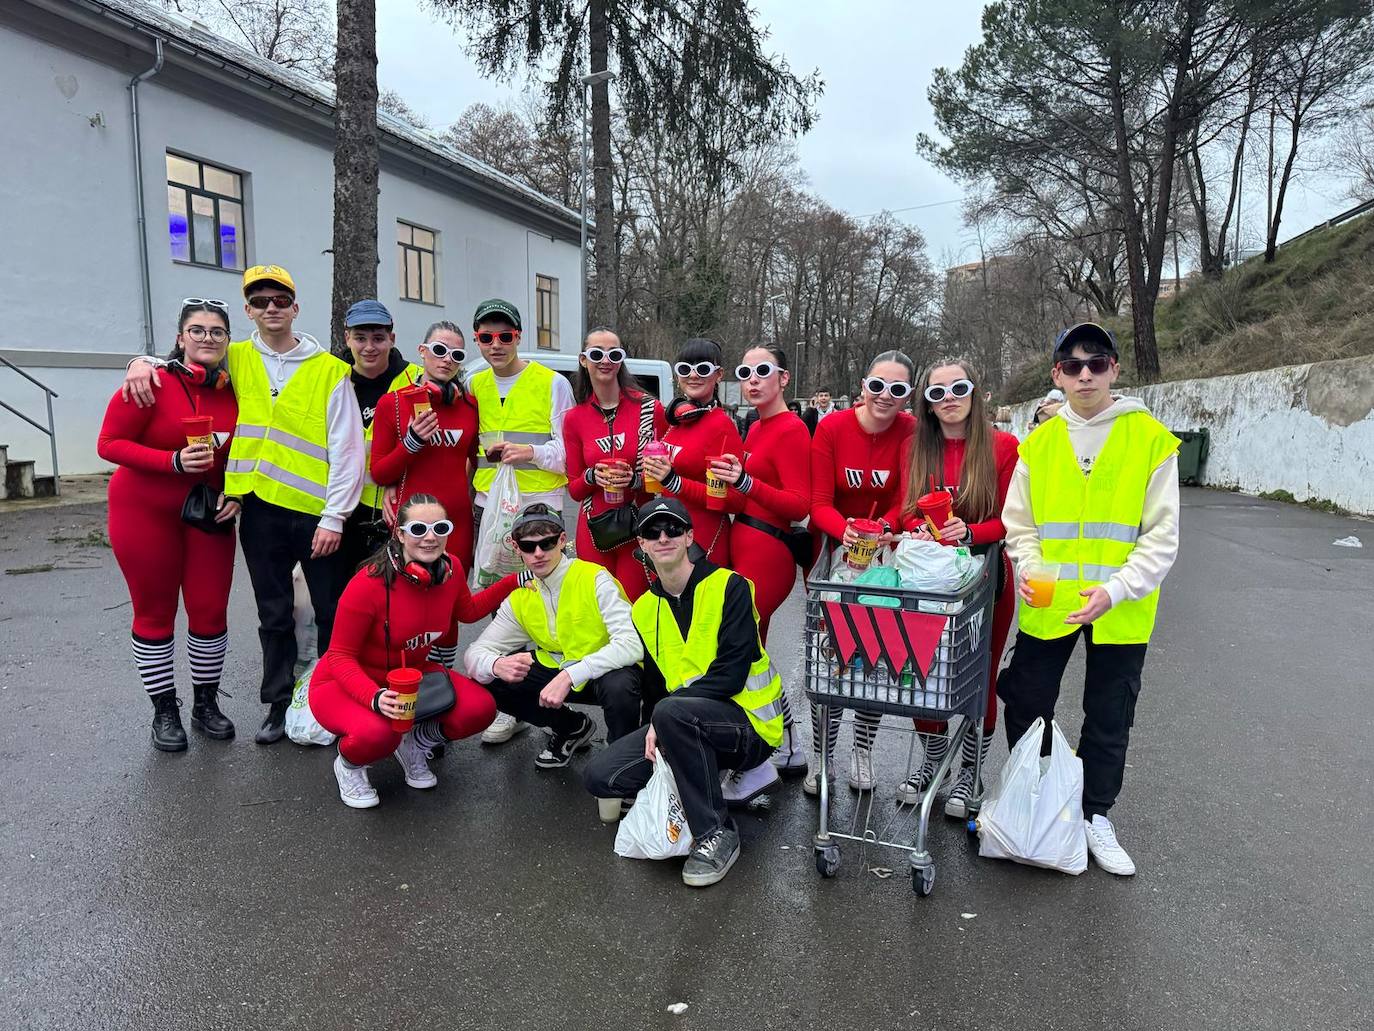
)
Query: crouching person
[
  {"x": 585, "y": 650},
  {"x": 723, "y": 709}
]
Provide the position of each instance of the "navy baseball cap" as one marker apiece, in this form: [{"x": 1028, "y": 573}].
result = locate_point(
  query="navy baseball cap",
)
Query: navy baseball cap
[
  {"x": 662, "y": 508},
  {"x": 1092, "y": 336},
  {"x": 367, "y": 313},
  {"x": 496, "y": 310}
]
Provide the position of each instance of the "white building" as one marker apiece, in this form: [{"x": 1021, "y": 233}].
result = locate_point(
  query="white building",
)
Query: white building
[{"x": 236, "y": 159}]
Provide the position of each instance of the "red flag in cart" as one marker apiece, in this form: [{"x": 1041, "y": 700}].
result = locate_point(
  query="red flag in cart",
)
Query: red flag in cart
[{"x": 893, "y": 635}]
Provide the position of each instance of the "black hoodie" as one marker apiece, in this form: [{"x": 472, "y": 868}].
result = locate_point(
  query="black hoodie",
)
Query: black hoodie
[
  {"x": 370, "y": 391},
  {"x": 738, "y": 646}
]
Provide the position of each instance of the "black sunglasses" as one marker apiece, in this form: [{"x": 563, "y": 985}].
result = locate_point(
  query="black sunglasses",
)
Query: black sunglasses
[
  {"x": 1098, "y": 365},
  {"x": 506, "y": 336},
  {"x": 653, "y": 531},
  {"x": 544, "y": 544}
]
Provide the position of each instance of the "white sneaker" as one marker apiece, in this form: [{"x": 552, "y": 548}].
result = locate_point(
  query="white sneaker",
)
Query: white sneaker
[
  {"x": 414, "y": 762},
  {"x": 861, "y": 769},
  {"x": 1105, "y": 849},
  {"x": 790, "y": 757},
  {"x": 741, "y": 787},
  {"x": 502, "y": 729},
  {"x": 811, "y": 783},
  {"x": 355, "y": 790}
]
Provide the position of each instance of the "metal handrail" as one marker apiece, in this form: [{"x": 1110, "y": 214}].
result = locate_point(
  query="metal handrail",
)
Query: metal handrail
[{"x": 50, "y": 430}]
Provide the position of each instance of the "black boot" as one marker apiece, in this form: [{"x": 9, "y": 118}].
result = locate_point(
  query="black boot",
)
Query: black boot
[
  {"x": 168, "y": 733},
  {"x": 205, "y": 714},
  {"x": 274, "y": 726}
]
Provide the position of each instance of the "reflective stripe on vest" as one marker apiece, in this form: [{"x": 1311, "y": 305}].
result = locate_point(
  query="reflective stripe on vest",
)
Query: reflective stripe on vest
[
  {"x": 281, "y": 448},
  {"x": 372, "y": 494},
  {"x": 525, "y": 417},
  {"x": 683, "y": 663},
  {"x": 1089, "y": 525},
  {"x": 579, "y": 629}
]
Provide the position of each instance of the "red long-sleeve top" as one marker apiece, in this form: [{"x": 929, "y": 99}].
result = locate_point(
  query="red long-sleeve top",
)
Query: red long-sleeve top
[
  {"x": 778, "y": 459},
  {"x": 357, "y": 659},
  {"x": 689, "y": 445},
  {"x": 587, "y": 440},
  {"x": 985, "y": 532},
  {"x": 852, "y": 470},
  {"x": 441, "y": 467}
]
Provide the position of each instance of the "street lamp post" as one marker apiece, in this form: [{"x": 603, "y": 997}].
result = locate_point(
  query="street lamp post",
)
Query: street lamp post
[
  {"x": 773, "y": 304},
  {"x": 588, "y": 81},
  {"x": 801, "y": 354}
]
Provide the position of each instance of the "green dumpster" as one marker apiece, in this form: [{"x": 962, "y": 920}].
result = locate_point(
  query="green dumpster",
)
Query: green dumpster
[{"x": 1192, "y": 452}]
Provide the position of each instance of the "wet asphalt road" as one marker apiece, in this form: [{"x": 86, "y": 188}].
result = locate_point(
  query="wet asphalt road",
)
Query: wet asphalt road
[{"x": 227, "y": 887}]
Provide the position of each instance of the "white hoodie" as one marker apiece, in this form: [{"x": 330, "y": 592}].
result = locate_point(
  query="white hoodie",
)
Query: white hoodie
[{"x": 1157, "y": 545}]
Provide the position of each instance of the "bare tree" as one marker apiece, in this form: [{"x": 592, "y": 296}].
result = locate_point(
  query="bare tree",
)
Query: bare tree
[
  {"x": 1351, "y": 153},
  {"x": 296, "y": 34},
  {"x": 393, "y": 103}
]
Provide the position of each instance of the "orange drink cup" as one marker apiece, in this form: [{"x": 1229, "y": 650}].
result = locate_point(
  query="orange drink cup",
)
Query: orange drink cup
[
  {"x": 716, "y": 488},
  {"x": 860, "y": 554},
  {"x": 199, "y": 429},
  {"x": 417, "y": 397},
  {"x": 936, "y": 508},
  {"x": 406, "y": 683},
  {"x": 1041, "y": 578},
  {"x": 654, "y": 449}
]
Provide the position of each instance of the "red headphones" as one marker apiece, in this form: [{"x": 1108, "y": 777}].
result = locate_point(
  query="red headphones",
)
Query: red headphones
[
  {"x": 419, "y": 573},
  {"x": 683, "y": 410},
  {"x": 198, "y": 375}
]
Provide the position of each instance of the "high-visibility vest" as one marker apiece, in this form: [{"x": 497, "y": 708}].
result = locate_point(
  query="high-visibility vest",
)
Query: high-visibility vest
[
  {"x": 280, "y": 450},
  {"x": 578, "y": 629},
  {"x": 372, "y": 494},
  {"x": 1089, "y": 524},
  {"x": 525, "y": 417},
  {"x": 682, "y": 663}
]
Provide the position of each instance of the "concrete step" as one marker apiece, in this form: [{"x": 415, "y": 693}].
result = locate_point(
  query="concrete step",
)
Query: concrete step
[
  {"x": 18, "y": 479},
  {"x": 45, "y": 486}
]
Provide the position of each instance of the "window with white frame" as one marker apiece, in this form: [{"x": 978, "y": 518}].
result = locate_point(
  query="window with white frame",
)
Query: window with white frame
[
  {"x": 205, "y": 213},
  {"x": 415, "y": 263},
  {"x": 546, "y": 312}
]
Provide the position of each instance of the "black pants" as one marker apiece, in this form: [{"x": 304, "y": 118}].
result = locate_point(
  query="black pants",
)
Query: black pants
[
  {"x": 363, "y": 533},
  {"x": 274, "y": 539},
  {"x": 617, "y": 693},
  {"x": 1030, "y": 687},
  {"x": 698, "y": 737}
]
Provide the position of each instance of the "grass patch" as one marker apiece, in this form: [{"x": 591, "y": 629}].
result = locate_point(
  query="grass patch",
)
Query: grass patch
[
  {"x": 94, "y": 538},
  {"x": 1316, "y": 504}
]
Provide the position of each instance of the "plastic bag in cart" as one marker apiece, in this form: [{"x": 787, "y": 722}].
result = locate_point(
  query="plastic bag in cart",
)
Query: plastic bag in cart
[
  {"x": 656, "y": 828},
  {"x": 1036, "y": 814},
  {"x": 935, "y": 568},
  {"x": 301, "y": 725},
  {"x": 495, "y": 555}
]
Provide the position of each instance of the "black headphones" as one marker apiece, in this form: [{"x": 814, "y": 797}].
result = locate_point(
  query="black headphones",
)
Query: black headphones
[
  {"x": 682, "y": 410},
  {"x": 421, "y": 574},
  {"x": 216, "y": 377}
]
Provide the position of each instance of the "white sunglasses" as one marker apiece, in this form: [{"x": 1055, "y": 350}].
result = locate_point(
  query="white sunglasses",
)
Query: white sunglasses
[
  {"x": 935, "y": 393},
  {"x": 702, "y": 369},
  {"x": 597, "y": 355},
  {"x": 762, "y": 370},
  {"x": 442, "y": 350},
  {"x": 417, "y": 529},
  {"x": 898, "y": 389},
  {"x": 195, "y": 302}
]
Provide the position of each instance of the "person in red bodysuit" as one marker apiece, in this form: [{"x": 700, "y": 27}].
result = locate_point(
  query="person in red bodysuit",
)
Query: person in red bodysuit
[
  {"x": 956, "y": 443},
  {"x": 856, "y": 462},
  {"x": 697, "y": 428},
  {"x": 604, "y": 450},
  {"x": 409, "y": 595},
  {"x": 160, "y": 556}
]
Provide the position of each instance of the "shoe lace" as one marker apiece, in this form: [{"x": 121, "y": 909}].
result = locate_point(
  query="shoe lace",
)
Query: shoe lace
[
  {"x": 1105, "y": 834},
  {"x": 708, "y": 846},
  {"x": 963, "y": 785}
]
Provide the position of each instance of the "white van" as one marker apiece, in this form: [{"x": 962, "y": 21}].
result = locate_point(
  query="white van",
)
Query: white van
[{"x": 654, "y": 376}]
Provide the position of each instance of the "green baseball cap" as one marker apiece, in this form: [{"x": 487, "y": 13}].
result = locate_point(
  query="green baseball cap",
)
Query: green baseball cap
[{"x": 495, "y": 308}]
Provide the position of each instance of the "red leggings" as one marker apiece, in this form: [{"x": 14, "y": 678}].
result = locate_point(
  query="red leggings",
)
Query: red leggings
[
  {"x": 365, "y": 737},
  {"x": 766, "y": 561},
  {"x": 621, "y": 561},
  {"x": 163, "y": 558}
]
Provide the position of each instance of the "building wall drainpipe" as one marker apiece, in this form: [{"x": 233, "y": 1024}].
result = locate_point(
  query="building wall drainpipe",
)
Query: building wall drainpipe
[{"x": 139, "y": 203}]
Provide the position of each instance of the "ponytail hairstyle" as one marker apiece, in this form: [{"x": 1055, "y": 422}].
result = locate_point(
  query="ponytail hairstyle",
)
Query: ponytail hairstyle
[
  {"x": 901, "y": 359},
  {"x": 778, "y": 354},
  {"x": 629, "y": 386},
  {"x": 452, "y": 327},
  {"x": 178, "y": 353},
  {"x": 385, "y": 563},
  {"x": 977, "y": 497}
]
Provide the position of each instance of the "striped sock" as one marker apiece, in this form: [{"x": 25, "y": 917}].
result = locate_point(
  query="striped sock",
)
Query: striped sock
[
  {"x": 787, "y": 718},
  {"x": 445, "y": 655},
  {"x": 154, "y": 660},
  {"x": 935, "y": 747},
  {"x": 428, "y": 736},
  {"x": 865, "y": 729},
  {"x": 832, "y": 730},
  {"x": 970, "y": 751},
  {"x": 207, "y": 657}
]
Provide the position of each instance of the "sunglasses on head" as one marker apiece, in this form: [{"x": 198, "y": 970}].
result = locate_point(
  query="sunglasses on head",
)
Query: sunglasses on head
[
  {"x": 597, "y": 355},
  {"x": 702, "y": 369},
  {"x": 546, "y": 544},
  {"x": 417, "y": 529},
  {"x": 441, "y": 350},
  {"x": 506, "y": 336},
  {"x": 654, "y": 531},
  {"x": 936, "y": 392},
  {"x": 897, "y": 389},
  {"x": 261, "y": 302},
  {"x": 1098, "y": 365},
  {"x": 762, "y": 370},
  {"x": 198, "y": 333},
  {"x": 196, "y": 302}
]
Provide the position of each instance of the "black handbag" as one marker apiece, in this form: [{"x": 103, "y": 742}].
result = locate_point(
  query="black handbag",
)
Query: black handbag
[
  {"x": 435, "y": 697},
  {"x": 797, "y": 538},
  {"x": 199, "y": 510},
  {"x": 616, "y": 526}
]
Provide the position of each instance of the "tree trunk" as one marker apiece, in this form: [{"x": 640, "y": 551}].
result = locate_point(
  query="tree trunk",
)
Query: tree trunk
[
  {"x": 1271, "y": 241},
  {"x": 355, "y": 162},
  {"x": 605, "y": 301}
]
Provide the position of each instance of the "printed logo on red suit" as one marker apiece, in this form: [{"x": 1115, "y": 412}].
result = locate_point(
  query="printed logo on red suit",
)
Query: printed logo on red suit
[
  {"x": 420, "y": 640},
  {"x": 877, "y": 478},
  {"x": 446, "y": 438},
  {"x": 608, "y": 444}
]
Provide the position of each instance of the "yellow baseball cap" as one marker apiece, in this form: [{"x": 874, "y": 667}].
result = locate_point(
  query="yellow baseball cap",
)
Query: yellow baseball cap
[{"x": 268, "y": 274}]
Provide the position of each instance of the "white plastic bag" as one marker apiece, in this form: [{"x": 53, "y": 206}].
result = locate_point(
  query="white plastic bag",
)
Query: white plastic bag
[
  {"x": 301, "y": 725},
  {"x": 936, "y": 568},
  {"x": 303, "y": 613},
  {"x": 656, "y": 828},
  {"x": 496, "y": 556},
  {"x": 1036, "y": 815}
]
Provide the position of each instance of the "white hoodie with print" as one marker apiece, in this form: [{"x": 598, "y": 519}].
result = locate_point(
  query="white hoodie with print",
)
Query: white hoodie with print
[{"x": 1155, "y": 548}]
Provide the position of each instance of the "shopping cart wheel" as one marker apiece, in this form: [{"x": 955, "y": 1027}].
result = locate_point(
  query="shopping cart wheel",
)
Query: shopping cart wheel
[
  {"x": 827, "y": 860},
  {"x": 922, "y": 880}
]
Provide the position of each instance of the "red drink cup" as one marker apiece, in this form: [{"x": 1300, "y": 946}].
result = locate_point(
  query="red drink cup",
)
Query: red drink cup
[
  {"x": 860, "y": 554},
  {"x": 406, "y": 683},
  {"x": 416, "y": 397},
  {"x": 716, "y": 488},
  {"x": 199, "y": 429},
  {"x": 937, "y": 508},
  {"x": 613, "y": 496}
]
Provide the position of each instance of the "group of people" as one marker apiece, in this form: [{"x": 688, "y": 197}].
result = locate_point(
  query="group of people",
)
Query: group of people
[{"x": 372, "y": 474}]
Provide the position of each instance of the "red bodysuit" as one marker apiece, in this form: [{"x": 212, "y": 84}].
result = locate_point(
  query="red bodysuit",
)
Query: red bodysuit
[
  {"x": 853, "y": 470},
  {"x": 689, "y": 444}
]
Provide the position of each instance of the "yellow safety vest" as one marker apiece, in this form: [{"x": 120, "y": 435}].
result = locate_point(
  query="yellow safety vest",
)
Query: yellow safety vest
[
  {"x": 1089, "y": 524},
  {"x": 525, "y": 417},
  {"x": 682, "y": 663},
  {"x": 372, "y": 494},
  {"x": 578, "y": 627},
  {"x": 280, "y": 450}
]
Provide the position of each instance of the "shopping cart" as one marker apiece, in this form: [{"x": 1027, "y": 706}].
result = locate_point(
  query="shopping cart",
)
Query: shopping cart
[{"x": 899, "y": 652}]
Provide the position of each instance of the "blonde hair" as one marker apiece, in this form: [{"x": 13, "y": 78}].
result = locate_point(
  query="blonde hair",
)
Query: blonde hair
[{"x": 977, "y": 497}]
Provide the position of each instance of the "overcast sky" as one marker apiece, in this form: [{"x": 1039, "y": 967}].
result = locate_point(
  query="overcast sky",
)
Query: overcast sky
[{"x": 876, "y": 57}]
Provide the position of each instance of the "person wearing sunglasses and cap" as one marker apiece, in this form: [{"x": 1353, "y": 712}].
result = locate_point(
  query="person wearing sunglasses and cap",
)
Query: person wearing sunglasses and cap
[
  {"x": 296, "y": 461},
  {"x": 721, "y": 710},
  {"x": 1095, "y": 492},
  {"x": 585, "y": 648},
  {"x": 957, "y": 448},
  {"x": 407, "y": 596}
]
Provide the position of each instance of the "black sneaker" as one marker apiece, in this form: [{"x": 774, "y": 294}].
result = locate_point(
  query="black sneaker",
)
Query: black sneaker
[
  {"x": 205, "y": 714},
  {"x": 273, "y": 728},
  {"x": 168, "y": 733},
  {"x": 711, "y": 858},
  {"x": 559, "y": 751}
]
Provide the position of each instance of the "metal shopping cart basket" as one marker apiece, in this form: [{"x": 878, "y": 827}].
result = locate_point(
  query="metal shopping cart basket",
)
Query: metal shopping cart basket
[{"x": 899, "y": 652}]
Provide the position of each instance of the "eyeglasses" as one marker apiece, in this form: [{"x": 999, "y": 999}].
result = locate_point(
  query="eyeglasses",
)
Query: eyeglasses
[
  {"x": 546, "y": 544},
  {"x": 506, "y": 336},
  {"x": 444, "y": 351},
  {"x": 702, "y": 369},
  {"x": 898, "y": 389},
  {"x": 275, "y": 300},
  {"x": 1098, "y": 365},
  {"x": 418, "y": 529},
  {"x": 196, "y": 302},
  {"x": 654, "y": 531},
  {"x": 597, "y": 355},
  {"x": 199, "y": 333},
  {"x": 936, "y": 392},
  {"x": 762, "y": 370}
]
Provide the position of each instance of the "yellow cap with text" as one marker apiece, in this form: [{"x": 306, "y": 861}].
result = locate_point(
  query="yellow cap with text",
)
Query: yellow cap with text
[{"x": 268, "y": 274}]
